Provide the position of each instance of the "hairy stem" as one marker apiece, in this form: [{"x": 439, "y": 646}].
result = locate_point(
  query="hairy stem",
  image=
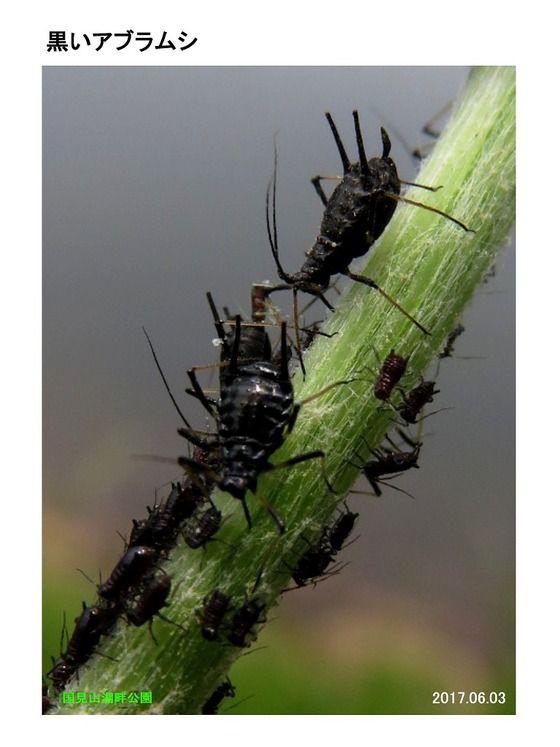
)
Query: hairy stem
[{"x": 432, "y": 267}]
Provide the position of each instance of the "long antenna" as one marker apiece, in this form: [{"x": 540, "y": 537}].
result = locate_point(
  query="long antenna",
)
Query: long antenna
[{"x": 183, "y": 418}]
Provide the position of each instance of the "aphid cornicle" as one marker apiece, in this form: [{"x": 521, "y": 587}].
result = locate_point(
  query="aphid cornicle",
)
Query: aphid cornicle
[{"x": 356, "y": 214}]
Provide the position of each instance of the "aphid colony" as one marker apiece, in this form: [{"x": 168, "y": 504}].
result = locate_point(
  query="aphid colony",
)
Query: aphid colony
[{"x": 254, "y": 412}]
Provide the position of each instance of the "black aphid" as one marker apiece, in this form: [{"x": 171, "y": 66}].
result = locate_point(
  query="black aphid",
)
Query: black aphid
[
  {"x": 450, "y": 342},
  {"x": 386, "y": 462},
  {"x": 212, "y": 614},
  {"x": 198, "y": 531},
  {"x": 90, "y": 626},
  {"x": 224, "y": 690},
  {"x": 255, "y": 409},
  {"x": 149, "y": 603},
  {"x": 129, "y": 571},
  {"x": 356, "y": 214},
  {"x": 244, "y": 620},
  {"x": 416, "y": 400},
  {"x": 336, "y": 535}
]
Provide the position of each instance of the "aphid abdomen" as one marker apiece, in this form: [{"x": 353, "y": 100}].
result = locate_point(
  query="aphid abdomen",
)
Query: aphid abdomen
[
  {"x": 152, "y": 599},
  {"x": 211, "y": 617},
  {"x": 257, "y": 406},
  {"x": 128, "y": 571}
]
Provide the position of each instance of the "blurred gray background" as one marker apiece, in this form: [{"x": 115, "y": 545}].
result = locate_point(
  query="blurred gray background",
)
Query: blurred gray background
[{"x": 154, "y": 192}]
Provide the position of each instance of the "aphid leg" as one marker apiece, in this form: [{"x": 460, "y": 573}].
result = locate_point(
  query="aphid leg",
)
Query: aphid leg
[
  {"x": 169, "y": 392},
  {"x": 198, "y": 393},
  {"x": 398, "y": 198},
  {"x": 316, "y": 182},
  {"x": 150, "y": 628},
  {"x": 206, "y": 441},
  {"x": 296, "y": 329},
  {"x": 275, "y": 515},
  {"x": 171, "y": 622},
  {"x": 430, "y": 129},
  {"x": 372, "y": 284},
  {"x": 421, "y": 186},
  {"x": 246, "y": 512}
]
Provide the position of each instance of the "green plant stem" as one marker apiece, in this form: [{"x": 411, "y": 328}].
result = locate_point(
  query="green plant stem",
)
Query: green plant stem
[{"x": 432, "y": 267}]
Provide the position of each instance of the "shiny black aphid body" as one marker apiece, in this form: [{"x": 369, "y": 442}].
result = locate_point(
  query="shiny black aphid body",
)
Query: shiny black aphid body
[
  {"x": 90, "y": 626},
  {"x": 255, "y": 408},
  {"x": 416, "y": 400},
  {"x": 313, "y": 564},
  {"x": 224, "y": 690},
  {"x": 88, "y": 629},
  {"x": 152, "y": 599},
  {"x": 253, "y": 413},
  {"x": 213, "y": 612},
  {"x": 62, "y": 670},
  {"x": 129, "y": 570},
  {"x": 244, "y": 620},
  {"x": 198, "y": 532},
  {"x": 392, "y": 370},
  {"x": 180, "y": 505}
]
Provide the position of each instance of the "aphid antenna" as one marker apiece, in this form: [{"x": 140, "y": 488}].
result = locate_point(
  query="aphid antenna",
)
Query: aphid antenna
[
  {"x": 273, "y": 242},
  {"x": 125, "y": 541},
  {"x": 84, "y": 574},
  {"x": 272, "y": 229},
  {"x": 163, "y": 378}
]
